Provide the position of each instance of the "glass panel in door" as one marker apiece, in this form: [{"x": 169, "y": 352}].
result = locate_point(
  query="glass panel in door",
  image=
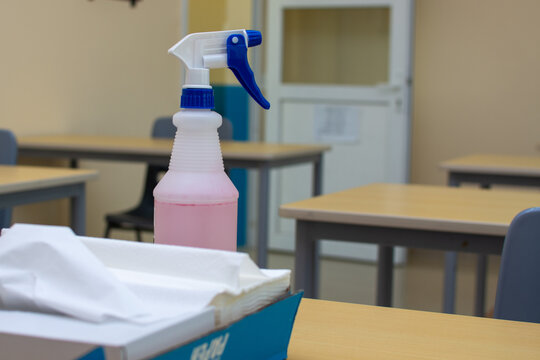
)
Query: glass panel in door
[{"x": 339, "y": 46}]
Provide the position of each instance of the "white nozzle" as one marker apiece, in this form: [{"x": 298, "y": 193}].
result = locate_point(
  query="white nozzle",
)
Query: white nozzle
[{"x": 203, "y": 51}]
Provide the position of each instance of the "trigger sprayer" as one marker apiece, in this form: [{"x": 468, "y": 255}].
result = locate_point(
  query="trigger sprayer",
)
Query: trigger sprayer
[{"x": 195, "y": 203}]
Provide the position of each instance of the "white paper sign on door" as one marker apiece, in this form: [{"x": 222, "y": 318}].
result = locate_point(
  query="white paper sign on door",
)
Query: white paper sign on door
[{"x": 336, "y": 123}]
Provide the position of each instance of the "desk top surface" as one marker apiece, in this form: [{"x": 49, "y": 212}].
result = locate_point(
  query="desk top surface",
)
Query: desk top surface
[
  {"x": 495, "y": 164},
  {"x": 326, "y": 330},
  {"x": 422, "y": 207},
  {"x": 20, "y": 178},
  {"x": 146, "y": 145}
]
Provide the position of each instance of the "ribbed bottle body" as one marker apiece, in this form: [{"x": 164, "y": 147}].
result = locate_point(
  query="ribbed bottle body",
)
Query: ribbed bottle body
[{"x": 196, "y": 203}]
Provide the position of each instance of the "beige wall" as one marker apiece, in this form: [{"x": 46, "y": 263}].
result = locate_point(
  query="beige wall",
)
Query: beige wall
[
  {"x": 477, "y": 81},
  {"x": 89, "y": 67}
]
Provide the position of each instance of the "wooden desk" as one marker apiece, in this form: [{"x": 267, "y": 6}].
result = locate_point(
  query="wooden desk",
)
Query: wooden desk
[
  {"x": 491, "y": 169},
  {"x": 432, "y": 217},
  {"x": 21, "y": 185},
  {"x": 326, "y": 330},
  {"x": 252, "y": 155},
  {"x": 486, "y": 170}
]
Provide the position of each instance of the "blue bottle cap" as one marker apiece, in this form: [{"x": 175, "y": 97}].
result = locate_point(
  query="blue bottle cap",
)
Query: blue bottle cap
[{"x": 197, "y": 98}]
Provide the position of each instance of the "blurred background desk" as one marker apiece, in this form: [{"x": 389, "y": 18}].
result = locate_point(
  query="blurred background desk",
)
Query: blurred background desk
[
  {"x": 251, "y": 155},
  {"x": 21, "y": 185},
  {"x": 489, "y": 169},
  {"x": 327, "y": 330},
  {"x": 421, "y": 216}
]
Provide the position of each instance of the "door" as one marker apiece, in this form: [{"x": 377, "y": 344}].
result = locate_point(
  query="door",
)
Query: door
[{"x": 339, "y": 73}]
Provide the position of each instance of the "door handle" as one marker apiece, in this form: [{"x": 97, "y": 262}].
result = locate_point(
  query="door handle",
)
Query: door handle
[
  {"x": 389, "y": 88},
  {"x": 395, "y": 92}
]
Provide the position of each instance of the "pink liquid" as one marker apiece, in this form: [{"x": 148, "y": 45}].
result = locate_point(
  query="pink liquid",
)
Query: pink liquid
[{"x": 206, "y": 226}]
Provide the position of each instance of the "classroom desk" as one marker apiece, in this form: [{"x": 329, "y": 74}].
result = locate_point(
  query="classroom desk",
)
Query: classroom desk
[
  {"x": 431, "y": 217},
  {"x": 486, "y": 170},
  {"x": 21, "y": 185},
  {"x": 252, "y": 155},
  {"x": 327, "y": 330}
]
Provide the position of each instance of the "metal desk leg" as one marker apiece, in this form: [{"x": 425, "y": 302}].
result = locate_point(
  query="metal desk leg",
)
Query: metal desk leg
[
  {"x": 481, "y": 273},
  {"x": 262, "y": 221},
  {"x": 385, "y": 270},
  {"x": 449, "y": 295},
  {"x": 306, "y": 261},
  {"x": 78, "y": 210},
  {"x": 317, "y": 176},
  {"x": 481, "y": 270},
  {"x": 450, "y": 267}
]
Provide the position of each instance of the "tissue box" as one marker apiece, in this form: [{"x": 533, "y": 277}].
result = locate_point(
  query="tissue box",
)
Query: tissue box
[
  {"x": 263, "y": 335},
  {"x": 253, "y": 303}
]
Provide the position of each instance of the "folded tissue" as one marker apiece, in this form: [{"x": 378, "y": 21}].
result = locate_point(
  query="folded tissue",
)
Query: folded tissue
[{"x": 49, "y": 269}]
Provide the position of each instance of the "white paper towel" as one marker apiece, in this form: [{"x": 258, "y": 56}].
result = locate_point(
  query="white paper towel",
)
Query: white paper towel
[
  {"x": 49, "y": 269},
  {"x": 230, "y": 281}
]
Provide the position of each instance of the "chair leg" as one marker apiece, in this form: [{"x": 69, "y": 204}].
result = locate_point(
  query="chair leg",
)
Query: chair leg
[
  {"x": 107, "y": 231},
  {"x": 138, "y": 232}
]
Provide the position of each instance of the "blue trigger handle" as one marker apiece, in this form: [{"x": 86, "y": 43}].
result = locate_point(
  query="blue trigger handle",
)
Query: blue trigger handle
[{"x": 237, "y": 61}]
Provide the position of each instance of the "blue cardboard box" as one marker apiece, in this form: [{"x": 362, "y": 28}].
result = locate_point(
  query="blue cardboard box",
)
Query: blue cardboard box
[{"x": 262, "y": 335}]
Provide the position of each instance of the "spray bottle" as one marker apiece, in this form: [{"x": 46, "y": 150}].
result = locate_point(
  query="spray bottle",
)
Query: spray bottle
[{"x": 195, "y": 202}]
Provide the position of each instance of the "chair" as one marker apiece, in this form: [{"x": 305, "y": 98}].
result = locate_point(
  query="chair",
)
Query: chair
[
  {"x": 518, "y": 289},
  {"x": 141, "y": 218},
  {"x": 8, "y": 156}
]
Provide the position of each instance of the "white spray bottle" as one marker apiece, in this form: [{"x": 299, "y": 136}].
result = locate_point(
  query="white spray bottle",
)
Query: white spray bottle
[{"x": 196, "y": 203}]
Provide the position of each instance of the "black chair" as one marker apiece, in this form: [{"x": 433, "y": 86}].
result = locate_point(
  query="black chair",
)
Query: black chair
[
  {"x": 141, "y": 218},
  {"x": 8, "y": 156}
]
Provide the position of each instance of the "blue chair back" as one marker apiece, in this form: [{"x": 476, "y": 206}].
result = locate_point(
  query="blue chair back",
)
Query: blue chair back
[
  {"x": 8, "y": 156},
  {"x": 518, "y": 289},
  {"x": 8, "y": 148},
  {"x": 164, "y": 128}
]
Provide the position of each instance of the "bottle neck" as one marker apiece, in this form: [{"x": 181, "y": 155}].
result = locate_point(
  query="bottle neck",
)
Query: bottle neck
[{"x": 196, "y": 145}]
